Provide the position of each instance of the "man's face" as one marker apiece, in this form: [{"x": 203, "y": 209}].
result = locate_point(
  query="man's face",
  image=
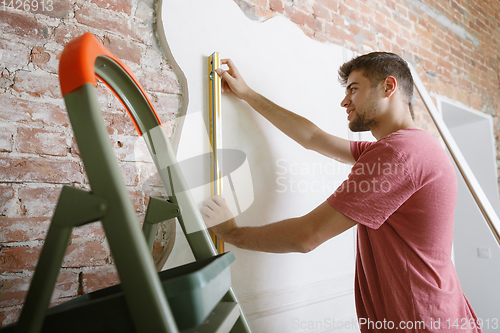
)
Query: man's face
[{"x": 361, "y": 102}]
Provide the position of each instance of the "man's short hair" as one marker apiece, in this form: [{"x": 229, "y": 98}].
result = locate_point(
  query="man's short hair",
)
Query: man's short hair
[{"x": 377, "y": 66}]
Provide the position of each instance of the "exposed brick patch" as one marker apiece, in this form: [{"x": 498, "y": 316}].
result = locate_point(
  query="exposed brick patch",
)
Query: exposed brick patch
[
  {"x": 116, "y": 5},
  {"x": 299, "y": 17},
  {"x": 304, "y": 5},
  {"x": 355, "y": 29},
  {"x": 75, "y": 152},
  {"x": 339, "y": 35},
  {"x": 165, "y": 82},
  {"x": 66, "y": 286},
  {"x": 123, "y": 49},
  {"x": 333, "y": 5},
  {"x": 64, "y": 33},
  {"x": 40, "y": 141},
  {"x": 6, "y": 139},
  {"x": 106, "y": 99},
  {"x": 153, "y": 62},
  {"x": 47, "y": 114},
  {"x": 86, "y": 255},
  {"x": 7, "y": 199},
  {"x": 16, "y": 259},
  {"x": 166, "y": 105},
  {"x": 6, "y": 78},
  {"x": 39, "y": 200},
  {"x": 99, "y": 279},
  {"x": 145, "y": 10},
  {"x": 119, "y": 123},
  {"x": 137, "y": 200},
  {"x": 124, "y": 147},
  {"x": 39, "y": 56},
  {"x": 36, "y": 134},
  {"x": 13, "y": 289},
  {"x": 21, "y": 229},
  {"x": 46, "y": 60},
  {"x": 9, "y": 315},
  {"x": 149, "y": 175},
  {"x": 32, "y": 112},
  {"x": 56, "y": 9},
  {"x": 89, "y": 231},
  {"x": 112, "y": 21},
  {"x": 277, "y": 6},
  {"x": 37, "y": 83},
  {"x": 22, "y": 25},
  {"x": 130, "y": 173},
  {"x": 322, "y": 12},
  {"x": 13, "y": 54}
]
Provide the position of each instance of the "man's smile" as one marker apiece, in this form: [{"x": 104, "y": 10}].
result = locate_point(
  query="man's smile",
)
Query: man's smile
[{"x": 349, "y": 112}]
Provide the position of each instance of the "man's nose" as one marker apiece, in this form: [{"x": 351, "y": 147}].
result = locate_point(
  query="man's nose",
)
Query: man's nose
[{"x": 345, "y": 102}]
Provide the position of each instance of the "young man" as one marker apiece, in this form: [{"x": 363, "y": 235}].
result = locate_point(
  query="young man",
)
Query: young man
[{"x": 401, "y": 194}]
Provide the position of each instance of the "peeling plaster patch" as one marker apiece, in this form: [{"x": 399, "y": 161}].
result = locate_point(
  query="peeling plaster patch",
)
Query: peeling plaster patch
[
  {"x": 446, "y": 22},
  {"x": 431, "y": 75},
  {"x": 360, "y": 39},
  {"x": 248, "y": 10},
  {"x": 487, "y": 106}
]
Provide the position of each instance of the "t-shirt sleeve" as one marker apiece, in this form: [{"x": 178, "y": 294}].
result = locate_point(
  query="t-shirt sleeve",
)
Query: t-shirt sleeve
[
  {"x": 379, "y": 183},
  {"x": 357, "y": 148}
]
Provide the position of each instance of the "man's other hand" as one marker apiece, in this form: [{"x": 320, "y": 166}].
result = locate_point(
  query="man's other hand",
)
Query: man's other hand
[{"x": 218, "y": 217}]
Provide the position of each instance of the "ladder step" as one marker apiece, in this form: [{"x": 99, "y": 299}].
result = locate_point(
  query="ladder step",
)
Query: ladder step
[{"x": 221, "y": 320}]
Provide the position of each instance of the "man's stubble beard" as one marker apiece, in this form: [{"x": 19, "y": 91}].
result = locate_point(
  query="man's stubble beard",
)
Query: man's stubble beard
[{"x": 365, "y": 120}]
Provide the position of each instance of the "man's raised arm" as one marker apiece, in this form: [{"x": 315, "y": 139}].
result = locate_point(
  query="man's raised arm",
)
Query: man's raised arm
[{"x": 296, "y": 127}]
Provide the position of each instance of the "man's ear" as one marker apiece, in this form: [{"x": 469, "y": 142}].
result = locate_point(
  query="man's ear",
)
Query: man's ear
[{"x": 390, "y": 85}]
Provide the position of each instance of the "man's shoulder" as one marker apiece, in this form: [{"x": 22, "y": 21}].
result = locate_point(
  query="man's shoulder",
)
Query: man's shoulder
[
  {"x": 409, "y": 146},
  {"x": 423, "y": 154},
  {"x": 397, "y": 141},
  {"x": 406, "y": 144},
  {"x": 412, "y": 142},
  {"x": 408, "y": 136}
]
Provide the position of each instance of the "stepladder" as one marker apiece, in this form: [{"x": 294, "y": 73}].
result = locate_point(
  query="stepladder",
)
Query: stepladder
[{"x": 195, "y": 297}]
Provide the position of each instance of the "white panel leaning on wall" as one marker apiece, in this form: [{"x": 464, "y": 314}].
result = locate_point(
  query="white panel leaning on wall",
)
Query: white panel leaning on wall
[{"x": 279, "y": 293}]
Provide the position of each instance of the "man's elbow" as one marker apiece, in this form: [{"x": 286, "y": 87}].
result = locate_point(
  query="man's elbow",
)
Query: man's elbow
[
  {"x": 308, "y": 244},
  {"x": 309, "y": 143}
]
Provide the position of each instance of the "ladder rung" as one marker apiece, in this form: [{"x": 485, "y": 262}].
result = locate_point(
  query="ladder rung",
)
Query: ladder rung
[{"x": 221, "y": 320}]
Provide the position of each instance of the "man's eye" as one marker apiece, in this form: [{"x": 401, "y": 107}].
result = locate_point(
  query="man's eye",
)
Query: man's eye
[{"x": 352, "y": 90}]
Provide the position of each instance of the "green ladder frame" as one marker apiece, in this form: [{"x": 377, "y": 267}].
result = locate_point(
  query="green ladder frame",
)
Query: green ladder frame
[{"x": 83, "y": 59}]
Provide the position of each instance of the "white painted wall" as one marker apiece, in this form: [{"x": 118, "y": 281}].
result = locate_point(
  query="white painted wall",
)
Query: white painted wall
[
  {"x": 479, "y": 276},
  {"x": 279, "y": 293}
]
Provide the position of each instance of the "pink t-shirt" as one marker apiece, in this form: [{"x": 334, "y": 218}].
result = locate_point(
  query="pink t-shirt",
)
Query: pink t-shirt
[{"x": 402, "y": 191}]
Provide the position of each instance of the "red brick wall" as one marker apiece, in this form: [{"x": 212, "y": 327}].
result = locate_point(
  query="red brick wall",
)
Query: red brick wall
[
  {"x": 38, "y": 154},
  {"x": 453, "y": 44}
]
